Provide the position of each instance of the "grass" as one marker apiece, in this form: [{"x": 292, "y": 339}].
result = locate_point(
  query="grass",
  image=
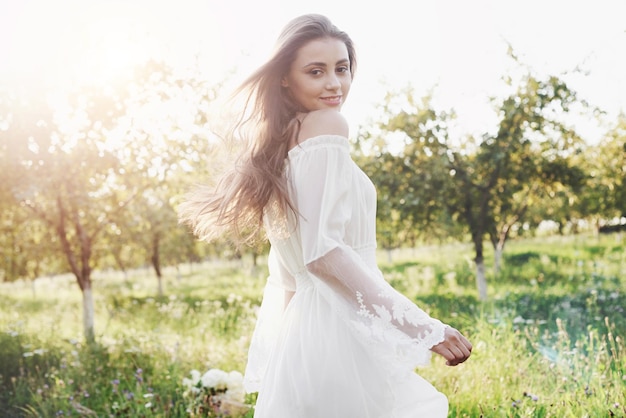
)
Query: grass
[{"x": 548, "y": 343}]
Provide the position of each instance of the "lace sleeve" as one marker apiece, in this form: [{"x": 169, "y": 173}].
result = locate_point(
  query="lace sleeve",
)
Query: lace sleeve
[{"x": 324, "y": 190}]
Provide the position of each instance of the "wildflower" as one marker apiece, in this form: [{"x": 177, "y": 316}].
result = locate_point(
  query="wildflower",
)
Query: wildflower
[
  {"x": 215, "y": 378},
  {"x": 148, "y": 405},
  {"x": 59, "y": 413},
  {"x": 195, "y": 375},
  {"x": 216, "y": 389},
  {"x": 531, "y": 396},
  {"x": 234, "y": 384}
]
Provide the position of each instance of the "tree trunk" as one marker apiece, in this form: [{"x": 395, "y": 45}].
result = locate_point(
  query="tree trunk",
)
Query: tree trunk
[
  {"x": 481, "y": 279},
  {"x": 156, "y": 264},
  {"x": 497, "y": 263},
  {"x": 88, "y": 313},
  {"x": 79, "y": 265}
]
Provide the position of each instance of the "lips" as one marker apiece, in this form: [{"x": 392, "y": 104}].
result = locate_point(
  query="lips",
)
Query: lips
[{"x": 332, "y": 100}]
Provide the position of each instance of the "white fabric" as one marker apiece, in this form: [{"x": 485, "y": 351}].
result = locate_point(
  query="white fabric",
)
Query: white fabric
[{"x": 347, "y": 344}]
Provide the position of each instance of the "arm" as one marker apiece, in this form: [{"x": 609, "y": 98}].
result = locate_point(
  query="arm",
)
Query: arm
[
  {"x": 342, "y": 269},
  {"x": 322, "y": 187},
  {"x": 324, "y": 198},
  {"x": 322, "y": 182},
  {"x": 380, "y": 303}
]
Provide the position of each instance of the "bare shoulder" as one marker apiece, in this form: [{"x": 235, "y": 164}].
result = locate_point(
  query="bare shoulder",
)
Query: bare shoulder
[{"x": 323, "y": 122}]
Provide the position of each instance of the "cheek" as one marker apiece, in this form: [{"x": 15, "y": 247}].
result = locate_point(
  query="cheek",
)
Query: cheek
[
  {"x": 346, "y": 85},
  {"x": 306, "y": 88}
]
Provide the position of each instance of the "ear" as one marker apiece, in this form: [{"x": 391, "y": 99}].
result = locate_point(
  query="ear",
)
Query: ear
[{"x": 284, "y": 82}]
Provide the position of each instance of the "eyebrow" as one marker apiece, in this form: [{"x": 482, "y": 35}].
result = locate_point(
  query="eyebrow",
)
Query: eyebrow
[{"x": 323, "y": 64}]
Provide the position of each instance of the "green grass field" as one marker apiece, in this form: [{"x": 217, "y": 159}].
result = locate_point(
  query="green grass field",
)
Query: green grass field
[{"x": 548, "y": 343}]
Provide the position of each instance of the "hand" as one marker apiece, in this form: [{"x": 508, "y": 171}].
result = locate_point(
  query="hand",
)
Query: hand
[{"x": 455, "y": 348}]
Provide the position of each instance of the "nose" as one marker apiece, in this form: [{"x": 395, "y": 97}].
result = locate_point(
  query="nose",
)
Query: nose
[{"x": 333, "y": 83}]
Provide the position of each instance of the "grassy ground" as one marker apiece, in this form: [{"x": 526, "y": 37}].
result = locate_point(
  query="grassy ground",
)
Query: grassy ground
[{"x": 549, "y": 343}]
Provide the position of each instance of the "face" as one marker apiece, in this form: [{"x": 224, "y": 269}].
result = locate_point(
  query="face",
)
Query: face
[{"x": 319, "y": 77}]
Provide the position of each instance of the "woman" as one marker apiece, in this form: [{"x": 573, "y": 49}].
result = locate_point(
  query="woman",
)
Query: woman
[{"x": 333, "y": 338}]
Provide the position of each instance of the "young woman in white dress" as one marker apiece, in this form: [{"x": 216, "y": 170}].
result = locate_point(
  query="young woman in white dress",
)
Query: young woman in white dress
[{"x": 333, "y": 339}]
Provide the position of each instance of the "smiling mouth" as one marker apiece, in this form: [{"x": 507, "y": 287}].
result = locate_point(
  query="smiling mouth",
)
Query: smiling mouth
[{"x": 332, "y": 99}]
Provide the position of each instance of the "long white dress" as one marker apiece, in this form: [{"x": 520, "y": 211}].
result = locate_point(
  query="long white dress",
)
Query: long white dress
[{"x": 347, "y": 344}]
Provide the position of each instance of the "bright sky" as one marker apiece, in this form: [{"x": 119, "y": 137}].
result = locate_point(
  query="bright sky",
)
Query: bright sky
[{"x": 458, "y": 45}]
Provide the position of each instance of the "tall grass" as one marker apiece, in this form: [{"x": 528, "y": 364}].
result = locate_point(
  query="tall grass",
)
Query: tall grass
[{"x": 549, "y": 343}]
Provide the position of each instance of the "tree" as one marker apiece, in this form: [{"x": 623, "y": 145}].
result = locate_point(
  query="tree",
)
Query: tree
[
  {"x": 168, "y": 138},
  {"x": 607, "y": 185},
  {"x": 66, "y": 178},
  {"x": 487, "y": 184}
]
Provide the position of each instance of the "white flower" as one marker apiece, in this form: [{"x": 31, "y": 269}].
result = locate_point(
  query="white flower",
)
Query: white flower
[
  {"x": 234, "y": 383},
  {"x": 195, "y": 376},
  {"x": 216, "y": 379},
  {"x": 237, "y": 394},
  {"x": 234, "y": 379},
  {"x": 192, "y": 384}
]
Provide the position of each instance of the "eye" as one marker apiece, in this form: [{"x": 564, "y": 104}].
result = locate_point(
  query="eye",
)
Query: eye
[
  {"x": 315, "y": 71},
  {"x": 343, "y": 69}
]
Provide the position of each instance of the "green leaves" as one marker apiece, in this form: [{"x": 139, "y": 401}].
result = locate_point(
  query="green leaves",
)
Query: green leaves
[{"x": 485, "y": 186}]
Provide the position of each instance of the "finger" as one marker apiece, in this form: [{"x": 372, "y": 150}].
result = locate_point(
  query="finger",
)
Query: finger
[
  {"x": 467, "y": 344},
  {"x": 457, "y": 352},
  {"x": 464, "y": 343},
  {"x": 445, "y": 352},
  {"x": 467, "y": 351}
]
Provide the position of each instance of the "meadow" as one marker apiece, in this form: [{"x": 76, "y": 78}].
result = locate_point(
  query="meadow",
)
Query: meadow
[{"x": 548, "y": 343}]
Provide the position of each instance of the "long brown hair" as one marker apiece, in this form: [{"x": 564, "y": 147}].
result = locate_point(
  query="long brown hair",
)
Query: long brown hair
[{"x": 237, "y": 202}]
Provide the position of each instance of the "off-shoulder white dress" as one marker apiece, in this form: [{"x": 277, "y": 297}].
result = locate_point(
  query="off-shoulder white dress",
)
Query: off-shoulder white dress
[{"x": 347, "y": 344}]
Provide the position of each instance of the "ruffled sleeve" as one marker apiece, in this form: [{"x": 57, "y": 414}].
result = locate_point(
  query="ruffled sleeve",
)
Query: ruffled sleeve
[{"x": 325, "y": 194}]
